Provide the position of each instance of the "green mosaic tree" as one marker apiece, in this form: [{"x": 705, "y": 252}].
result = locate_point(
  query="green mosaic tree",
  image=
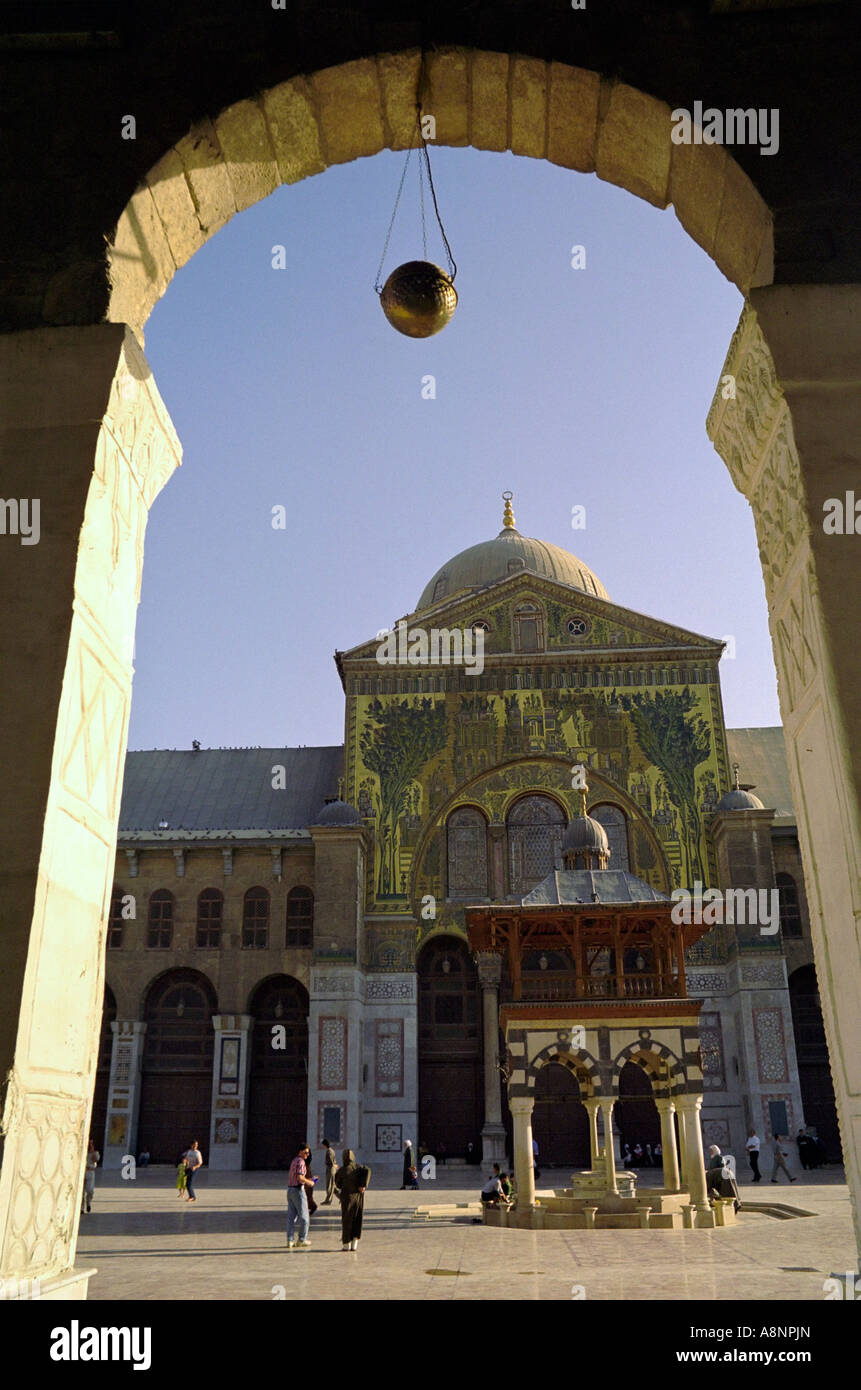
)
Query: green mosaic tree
[
  {"x": 676, "y": 744},
  {"x": 399, "y": 737}
]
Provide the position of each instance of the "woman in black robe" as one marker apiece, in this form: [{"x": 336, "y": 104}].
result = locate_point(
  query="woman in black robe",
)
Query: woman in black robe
[{"x": 351, "y": 1180}]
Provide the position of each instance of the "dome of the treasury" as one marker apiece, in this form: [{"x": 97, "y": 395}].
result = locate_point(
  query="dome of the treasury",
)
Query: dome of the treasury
[
  {"x": 585, "y": 833},
  {"x": 338, "y": 813},
  {"x": 508, "y": 553},
  {"x": 739, "y": 798}
]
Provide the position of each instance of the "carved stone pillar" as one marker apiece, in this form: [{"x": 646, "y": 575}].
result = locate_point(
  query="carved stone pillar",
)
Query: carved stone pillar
[
  {"x": 791, "y": 438},
  {"x": 84, "y": 433},
  {"x": 124, "y": 1097},
  {"x": 489, "y": 965},
  {"x": 666, "y": 1109},
  {"x": 524, "y": 1169}
]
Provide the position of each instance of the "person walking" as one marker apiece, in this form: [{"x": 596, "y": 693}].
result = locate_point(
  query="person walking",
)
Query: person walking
[
  {"x": 410, "y": 1176},
  {"x": 193, "y": 1161},
  {"x": 92, "y": 1163},
  {"x": 779, "y": 1155},
  {"x": 298, "y": 1184},
  {"x": 752, "y": 1147},
  {"x": 351, "y": 1180},
  {"x": 331, "y": 1169}
]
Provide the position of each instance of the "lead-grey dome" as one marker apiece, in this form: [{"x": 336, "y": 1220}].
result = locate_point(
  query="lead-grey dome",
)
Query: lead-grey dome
[
  {"x": 508, "y": 553},
  {"x": 739, "y": 800},
  {"x": 338, "y": 813},
  {"x": 585, "y": 833}
]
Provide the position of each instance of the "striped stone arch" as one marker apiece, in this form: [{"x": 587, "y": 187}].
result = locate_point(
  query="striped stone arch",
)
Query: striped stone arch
[
  {"x": 584, "y": 1066},
  {"x": 669, "y": 1073}
]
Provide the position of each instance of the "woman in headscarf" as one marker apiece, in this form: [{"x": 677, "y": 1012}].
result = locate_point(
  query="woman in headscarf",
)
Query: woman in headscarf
[
  {"x": 351, "y": 1180},
  {"x": 410, "y": 1175}
]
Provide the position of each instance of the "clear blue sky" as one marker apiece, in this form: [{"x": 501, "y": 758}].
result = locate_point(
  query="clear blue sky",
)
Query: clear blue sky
[{"x": 568, "y": 386}]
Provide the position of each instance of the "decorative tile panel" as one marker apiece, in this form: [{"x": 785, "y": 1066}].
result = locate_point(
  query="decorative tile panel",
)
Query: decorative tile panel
[
  {"x": 389, "y": 1139},
  {"x": 711, "y": 1051},
  {"x": 389, "y": 1057},
  {"x": 332, "y": 1070},
  {"x": 770, "y": 1045}
]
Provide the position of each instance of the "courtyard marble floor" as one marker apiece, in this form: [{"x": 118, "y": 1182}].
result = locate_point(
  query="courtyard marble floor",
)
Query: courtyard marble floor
[{"x": 146, "y": 1244}]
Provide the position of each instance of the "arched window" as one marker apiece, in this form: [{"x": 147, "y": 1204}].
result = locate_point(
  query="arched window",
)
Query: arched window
[
  {"x": 790, "y": 914},
  {"x": 300, "y": 916},
  {"x": 255, "y": 919},
  {"x": 467, "y": 854},
  {"x": 116, "y": 921},
  {"x": 536, "y": 825},
  {"x": 528, "y": 628},
  {"x": 615, "y": 822},
  {"x": 160, "y": 921},
  {"x": 210, "y": 917}
]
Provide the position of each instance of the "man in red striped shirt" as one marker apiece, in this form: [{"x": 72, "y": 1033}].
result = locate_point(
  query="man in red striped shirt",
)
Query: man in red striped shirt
[{"x": 297, "y": 1200}]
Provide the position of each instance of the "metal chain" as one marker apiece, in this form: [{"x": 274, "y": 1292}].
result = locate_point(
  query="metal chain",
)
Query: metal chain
[
  {"x": 424, "y": 171},
  {"x": 377, "y": 286}
]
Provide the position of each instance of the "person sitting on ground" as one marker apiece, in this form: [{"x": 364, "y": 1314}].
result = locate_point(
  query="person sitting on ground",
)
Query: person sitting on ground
[
  {"x": 492, "y": 1193},
  {"x": 505, "y": 1183},
  {"x": 720, "y": 1179}
]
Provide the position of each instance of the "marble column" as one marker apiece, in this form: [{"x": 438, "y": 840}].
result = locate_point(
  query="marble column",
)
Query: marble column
[
  {"x": 609, "y": 1147},
  {"x": 695, "y": 1168},
  {"x": 666, "y": 1110},
  {"x": 85, "y": 446},
  {"x": 683, "y": 1148},
  {"x": 592, "y": 1103},
  {"x": 489, "y": 965},
  {"x": 124, "y": 1096},
  {"x": 524, "y": 1172},
  {"x": 231, "y": 1071}
]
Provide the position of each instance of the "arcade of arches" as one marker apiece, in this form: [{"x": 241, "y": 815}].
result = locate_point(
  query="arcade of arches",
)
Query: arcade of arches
[{"x": 83, "y": 425}]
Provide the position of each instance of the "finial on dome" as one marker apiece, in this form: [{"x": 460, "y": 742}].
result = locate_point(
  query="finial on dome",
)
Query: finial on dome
[
  {"x": 583, "y": 790},
  {"x": 508, "y": 514},
  {"x": 735, "y": 769}
]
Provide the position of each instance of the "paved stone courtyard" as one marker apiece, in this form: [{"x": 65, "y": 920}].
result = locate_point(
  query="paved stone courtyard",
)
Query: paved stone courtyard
[{"x": 231, "y": 1244}]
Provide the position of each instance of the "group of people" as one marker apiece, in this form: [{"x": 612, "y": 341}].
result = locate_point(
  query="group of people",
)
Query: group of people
[
  {"x": 189, "y": 1162},
  {"x": 779, "y": 1154},
  {"x": 642, "y": 1155},
  {"x": 498, "y": 1190},
  {"x": 349, "y": 1181}
]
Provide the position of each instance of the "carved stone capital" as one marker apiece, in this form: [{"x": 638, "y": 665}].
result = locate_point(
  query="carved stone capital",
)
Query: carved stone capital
[{"x": 489, "y": 966}]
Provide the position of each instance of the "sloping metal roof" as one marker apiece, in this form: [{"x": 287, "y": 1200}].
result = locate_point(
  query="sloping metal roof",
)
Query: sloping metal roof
[
  {"x": 761, "y": 758},
  {"x": 592, "y": 885},
  {"x": 227, "y": 788}
]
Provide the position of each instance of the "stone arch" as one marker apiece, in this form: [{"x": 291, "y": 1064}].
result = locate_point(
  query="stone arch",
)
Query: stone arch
[
  {"x": 666, "y": 1069},
  {"x": 585, "y": 1067},
  {"x": 570, "y": 116}
]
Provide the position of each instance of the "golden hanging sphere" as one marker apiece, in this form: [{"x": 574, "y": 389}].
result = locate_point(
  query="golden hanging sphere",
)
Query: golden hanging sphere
[{"x": 418, "y": 299}]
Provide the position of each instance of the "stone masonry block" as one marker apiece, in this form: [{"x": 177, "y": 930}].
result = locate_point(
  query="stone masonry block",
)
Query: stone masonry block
[
  {"x": 528, "y": 91},
  {"x": 203, "y": 160},
  {"x": 634, "y": 144},
  {"x": 251, "y": 164},
  {"x": 175, "y": 206},
  {"x": 141, "y": 263},
  {"x": 446, "y": 96},
  {"x": 573, "y": 124},
  {"x": 744, "y": 228},
  {"x": 293, "y": 129},
  {"x": 697, "y": 175},
  {"x": 488, "y": 129},
  {"x": 350, "y": 112},
  {"x": 399, "y": 82}
]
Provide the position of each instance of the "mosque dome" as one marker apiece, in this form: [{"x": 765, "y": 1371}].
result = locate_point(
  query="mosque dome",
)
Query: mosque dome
[
  {"x": 739, "y": 798},
  {"x": 585, "y": 844},
  {"x": 585, "y": 833},
  {"x": 338, "y": 813},
  {"x": 508, "y": 553}
]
